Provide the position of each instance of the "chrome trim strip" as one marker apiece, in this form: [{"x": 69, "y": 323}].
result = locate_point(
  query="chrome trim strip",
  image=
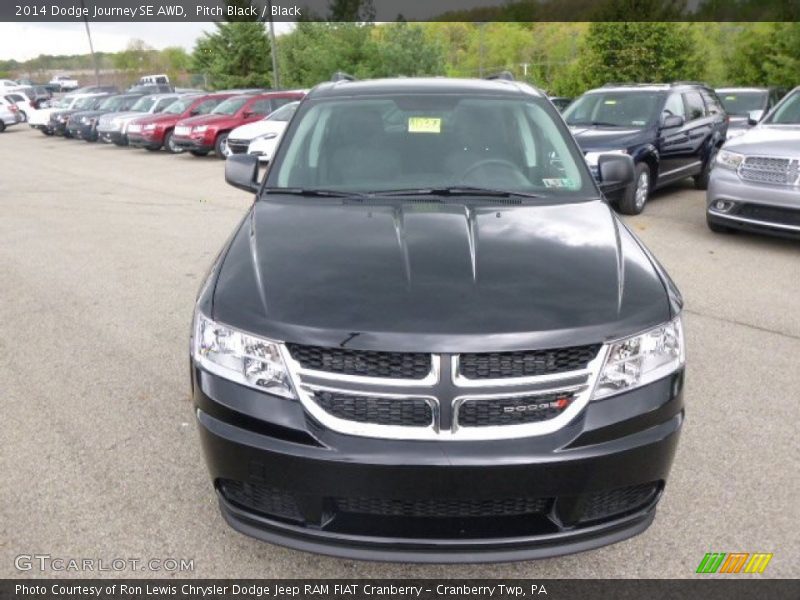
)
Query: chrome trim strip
[
  {"x": 561, "y": 382},
  {"x": 679, "y": 169},
  {"x": 769, "y": 224}
]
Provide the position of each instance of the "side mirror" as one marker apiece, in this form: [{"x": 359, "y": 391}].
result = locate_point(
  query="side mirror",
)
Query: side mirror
[
  {"x": 615, "y": 170},
  {"x": 247, "y": 114},
  {"x": 754, "y": 116},
  {"x": 241, "y": 171},
  {"x": 670, "y": 121}
]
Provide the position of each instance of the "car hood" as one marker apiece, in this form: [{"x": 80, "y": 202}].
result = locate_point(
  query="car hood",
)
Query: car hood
[
  {"x": 129, "y": 114},
  {"x": 437, "y": 277},
  {"x": 253, "y": 130},
  {"x": 605, "y": 138},
  {"x": 158, "y": 118},
  {"x": 209, "y": 120},
  {"x": 782, "y": 140}
]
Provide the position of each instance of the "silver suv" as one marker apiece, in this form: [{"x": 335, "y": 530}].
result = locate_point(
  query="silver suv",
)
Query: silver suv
[{"x": 755, "y": 182}]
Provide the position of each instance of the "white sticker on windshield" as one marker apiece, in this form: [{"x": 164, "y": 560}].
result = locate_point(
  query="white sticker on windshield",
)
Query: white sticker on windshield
[{"x": 558, "y": 182}]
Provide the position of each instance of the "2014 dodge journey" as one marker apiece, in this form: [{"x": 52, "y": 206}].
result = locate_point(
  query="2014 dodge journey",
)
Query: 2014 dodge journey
[{"x": 431, "y": 339}]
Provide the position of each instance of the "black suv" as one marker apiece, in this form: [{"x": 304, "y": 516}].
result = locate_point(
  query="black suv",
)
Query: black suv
[
  {"x": 431, "y": 339},
  {"x": 672, "y": 131},
  {"x": 83, "y": 124}
]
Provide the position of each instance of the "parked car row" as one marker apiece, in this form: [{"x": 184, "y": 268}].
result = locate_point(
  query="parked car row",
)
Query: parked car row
[
  {"x": 740, "y": 144},
  {"x": 197, "y": 121}
]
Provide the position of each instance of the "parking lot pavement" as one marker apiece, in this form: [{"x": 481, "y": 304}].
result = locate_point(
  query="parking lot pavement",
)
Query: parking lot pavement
[{"x": 102, "y": 250}]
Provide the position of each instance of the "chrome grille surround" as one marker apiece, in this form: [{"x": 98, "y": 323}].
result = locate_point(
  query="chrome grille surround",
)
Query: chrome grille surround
[
  {"x": 445, "y": 391},
  {"x": 770, "y": 170}
]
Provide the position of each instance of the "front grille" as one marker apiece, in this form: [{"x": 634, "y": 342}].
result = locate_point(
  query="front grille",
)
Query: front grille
[
  {"x": 513, "y": 410},
  {"x": 766, "y": 169},
  {"x": 378, "y": 410},
  {"x": 261, "y": 498},
  {"x": 773, "y": 214},
  {"x": 443, "y": 507},
  {"x": 394, "y": 365},
  {"x": 498, "y": 365},
  {"x": 238, "y": 146},
  {"x": 609, "y": 503}
]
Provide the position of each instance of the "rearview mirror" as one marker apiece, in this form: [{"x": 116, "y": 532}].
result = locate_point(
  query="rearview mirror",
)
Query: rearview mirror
[
  {"x": 241, "y": 171},
  {"x": 670, "y": 121},
  {"x": 615, "y": 170},
  {"x": 754, "y": 116}
]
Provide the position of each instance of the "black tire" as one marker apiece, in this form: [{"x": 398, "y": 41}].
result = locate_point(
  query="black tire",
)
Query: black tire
[
  {"x": 153, "y": 148},
  {"x": 169, "y": 144},
  {"x": 24, "y": 116},
  {"x": 46, "y": 132},
  {"x": 636, "y": 196},
  {"x": 221, "y": 146},
  {"x": 716, "y": 227},
  {"x": 2, "y": 127},
  {"x": 701, "y": 180},
  {"x": 199, "y": 152},
  {"x": 122, "y": 141},
  {"x": 67, "y": 134}
]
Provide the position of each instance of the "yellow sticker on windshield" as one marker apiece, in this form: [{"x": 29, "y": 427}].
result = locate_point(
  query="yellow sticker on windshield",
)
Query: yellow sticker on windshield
[
  {"x": 424, "y": 125},
  {"x": 610, "y": 102}
]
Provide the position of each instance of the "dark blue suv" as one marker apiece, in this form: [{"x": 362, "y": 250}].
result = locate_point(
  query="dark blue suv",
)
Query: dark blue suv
[{"x": 672, "y": 131}]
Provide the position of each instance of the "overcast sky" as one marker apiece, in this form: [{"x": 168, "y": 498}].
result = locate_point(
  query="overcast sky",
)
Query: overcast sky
[{"x": 22, "y": 41}]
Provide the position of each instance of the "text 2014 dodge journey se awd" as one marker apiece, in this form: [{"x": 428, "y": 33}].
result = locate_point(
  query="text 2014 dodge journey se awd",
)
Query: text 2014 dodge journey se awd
[{"x": 431, "y": 339}]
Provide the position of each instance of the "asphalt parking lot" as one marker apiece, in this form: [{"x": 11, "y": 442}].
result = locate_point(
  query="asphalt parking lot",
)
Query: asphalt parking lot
[{"x": 102, "y": 250}]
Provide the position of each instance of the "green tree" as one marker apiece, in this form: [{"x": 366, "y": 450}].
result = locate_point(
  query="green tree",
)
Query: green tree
[
  {"x": 403, "y": 49},
  {"x": 237, "y": 54},
  {"x": 637, "y": 52},
  {"x": 766, "y": 54}
]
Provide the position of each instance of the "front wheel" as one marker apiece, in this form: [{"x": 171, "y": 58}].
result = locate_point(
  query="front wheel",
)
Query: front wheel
[
  {"x": 221, "y": 148},
  {"x": 170, "y": 145},
  {"x": 2, "y": 126},
  {"x": 636, "y": 196},
  {"x": 46, "y": 132},
  {"x": 198, "y": 152},
  {"x": 24, "y": 116}
]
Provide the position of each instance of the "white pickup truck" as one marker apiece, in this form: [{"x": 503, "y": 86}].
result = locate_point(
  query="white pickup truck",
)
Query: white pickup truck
[{"x": 65, "y": 83}]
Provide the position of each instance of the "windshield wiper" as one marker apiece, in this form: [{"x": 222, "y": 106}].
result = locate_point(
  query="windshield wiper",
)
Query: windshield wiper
[
  {"x": 456, "y": 190},
  {"x": 593, "y": 124},
  {"x": 313, "y": 192}
]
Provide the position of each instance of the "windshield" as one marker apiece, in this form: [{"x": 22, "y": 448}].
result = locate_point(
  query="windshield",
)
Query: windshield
[
  {"x": 741, "y": 103},
  {"x": 179, "y": 106},
  {"x": 113, "y": 103},
  {"x": 229, "y": 106},
  {"x": 787, "y": 112},
  {"x": 614, "y": 109},
  {"x": 143, "y": 104},
  {"x": 431, "y": 141},
  {"x": 65, "y": 102},
  {"x": 284, "y": 113},
  {"x": 85, "y": 102}
]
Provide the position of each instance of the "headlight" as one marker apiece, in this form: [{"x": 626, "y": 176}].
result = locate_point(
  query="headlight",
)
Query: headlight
[
  {"x": 84, "y": 120},
  {"x": 200, "y": 128},
  {"x": 240, "y": 357},
  {"x": 592, "y": 157},
  {"x": 266, "y": 136},
  {"x": 642, "y": 359},
  {"x": 149, "y": 127},
  {"x": 729, "y": 160}
]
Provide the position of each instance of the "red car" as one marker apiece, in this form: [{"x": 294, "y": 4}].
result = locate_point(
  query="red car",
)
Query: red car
[
  {"x": 202, "y": 134},
  {"x": 156, "y": 131}
]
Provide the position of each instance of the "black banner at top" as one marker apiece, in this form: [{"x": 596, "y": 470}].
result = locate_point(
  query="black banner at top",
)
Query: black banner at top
[{"x": 143, "y": 11}]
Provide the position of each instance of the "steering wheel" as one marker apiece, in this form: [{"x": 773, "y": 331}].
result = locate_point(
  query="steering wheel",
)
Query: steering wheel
[{"x": 499, "y": 162}]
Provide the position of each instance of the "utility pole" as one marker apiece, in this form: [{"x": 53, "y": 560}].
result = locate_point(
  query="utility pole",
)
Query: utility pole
[
  {"x": 273, "y": 47},
  {"x": 480, "y": 49},
  {"x": 91, "y": 46}
]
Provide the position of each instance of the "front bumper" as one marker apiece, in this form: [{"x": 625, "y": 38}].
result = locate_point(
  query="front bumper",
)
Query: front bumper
[
  {"x": 283, "y": 478},
  {"x": 149, "y": 139},
  {"x": 760, "y": 208},
  {"x": 112, "y": 137},
  {"x": 197, "y": 144}
]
